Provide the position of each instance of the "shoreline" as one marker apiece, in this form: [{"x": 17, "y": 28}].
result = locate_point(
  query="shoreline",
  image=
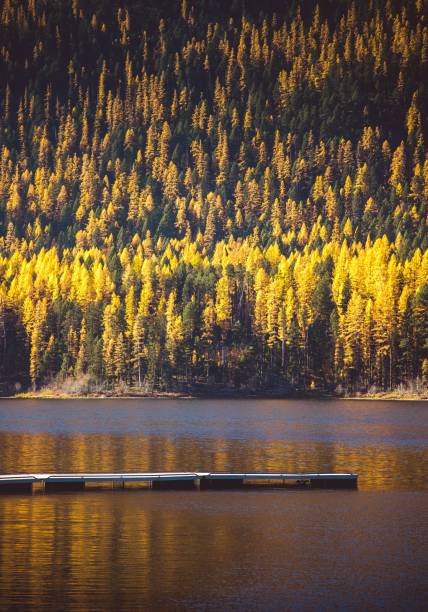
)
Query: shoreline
[{"x": 380, "y": 396}]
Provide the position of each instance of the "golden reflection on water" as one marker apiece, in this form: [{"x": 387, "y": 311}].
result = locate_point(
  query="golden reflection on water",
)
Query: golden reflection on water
[
  {"x": 148, "y": 550},
  {"x": 384, "y": 466},
  {"x": 62, "y": 543},
  {"x": 132, "y": 550}
]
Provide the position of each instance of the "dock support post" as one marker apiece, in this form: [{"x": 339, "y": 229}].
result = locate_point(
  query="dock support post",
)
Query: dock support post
[
  {"x": 334, "y": 483},
  {"x": 16, "y": 487},
  {"x": 64, "y": 486},
  {"x": 221, "y": 483},
  {"x": 173, "y": 484}
]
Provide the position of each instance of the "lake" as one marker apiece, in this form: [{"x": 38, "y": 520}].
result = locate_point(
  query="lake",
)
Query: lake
[{"x": 267, "y": 549}]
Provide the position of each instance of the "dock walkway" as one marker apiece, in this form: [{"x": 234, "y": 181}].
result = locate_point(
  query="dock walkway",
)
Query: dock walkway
[{"x": 177, "y": 480}]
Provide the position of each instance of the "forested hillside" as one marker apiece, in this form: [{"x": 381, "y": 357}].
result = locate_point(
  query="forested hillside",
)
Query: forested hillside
[{"x": 209, "y": 192}]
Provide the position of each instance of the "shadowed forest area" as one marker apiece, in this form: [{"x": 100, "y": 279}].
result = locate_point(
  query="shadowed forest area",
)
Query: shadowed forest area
[{"x": 204, "y": 195}]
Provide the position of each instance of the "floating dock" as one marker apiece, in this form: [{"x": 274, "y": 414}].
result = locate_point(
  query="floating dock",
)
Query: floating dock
[{"x": 174, "y": 480}]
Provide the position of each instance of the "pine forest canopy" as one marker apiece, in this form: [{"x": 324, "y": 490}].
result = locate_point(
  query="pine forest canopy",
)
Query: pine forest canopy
[{"x": 213, "y": 192}]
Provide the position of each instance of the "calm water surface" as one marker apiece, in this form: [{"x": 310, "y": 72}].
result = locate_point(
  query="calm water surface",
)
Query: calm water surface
[{"x": 212, "y": 550}]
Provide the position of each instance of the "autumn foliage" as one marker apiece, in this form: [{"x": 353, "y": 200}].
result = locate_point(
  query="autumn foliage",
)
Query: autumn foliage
[{"x": 194, "y": 193}]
